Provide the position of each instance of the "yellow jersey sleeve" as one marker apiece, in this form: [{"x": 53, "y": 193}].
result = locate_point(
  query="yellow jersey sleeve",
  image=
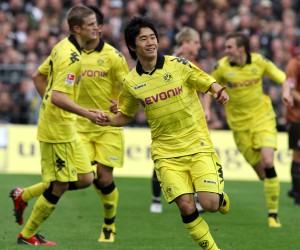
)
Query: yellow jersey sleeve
[{"x": 64, "y": 67}]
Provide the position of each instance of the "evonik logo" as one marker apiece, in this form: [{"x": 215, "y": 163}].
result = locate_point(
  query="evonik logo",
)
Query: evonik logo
[
  {"x": 162, "y": 96},
  {"x": 94, "y": 73}
]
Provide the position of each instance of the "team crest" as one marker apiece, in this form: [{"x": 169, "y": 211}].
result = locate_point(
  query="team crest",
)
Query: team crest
[
  {"x": 100, "y": 62},
  {"x": 168, "y": 77},
  {"x": 204, "y": 244},
  {"x": 169, "y": 190},
  {"x": 254, "y": 71}
]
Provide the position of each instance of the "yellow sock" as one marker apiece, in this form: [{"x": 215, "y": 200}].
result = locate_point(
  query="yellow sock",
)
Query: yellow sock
[
  {"x": 41, "y": 211},
  {"x": 272, "y": 190},
  {"x": 110, "y": 202},
  {"x": 199, "y": 231},
  {"x": 34, "y": 191}
]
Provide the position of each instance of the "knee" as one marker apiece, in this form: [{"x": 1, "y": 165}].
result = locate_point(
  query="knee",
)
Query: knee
[
  {"x": 211, "y": 202},
  {"x": 186, "y": 204},
  {"x": 85, "y": 180}
]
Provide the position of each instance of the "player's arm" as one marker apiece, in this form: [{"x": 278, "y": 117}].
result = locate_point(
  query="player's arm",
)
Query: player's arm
[
  {"x": 219, "y": 93},
  {"x": 40, "y": 82},
  {"x": 118, "y": 120},
  {"x": 205, "y": 100},
  {"x": 286, "y": 94},
  {"x": 291, "y": 76},
  {"x": 40, "y": 77},
  {"x": 61, "y": 100}
]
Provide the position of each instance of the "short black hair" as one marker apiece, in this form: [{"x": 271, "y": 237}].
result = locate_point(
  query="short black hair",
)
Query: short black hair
[
  {"x": 99, "y": 15},
  {"x": 241, "y": 40},
  {"x": 132, "y": 30}
]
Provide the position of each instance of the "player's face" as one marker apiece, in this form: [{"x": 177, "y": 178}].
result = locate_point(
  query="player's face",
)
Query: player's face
[
  {"x": 232, "y": 51},
  {"x": 146, "y": 44},
  {"x": 194, "y": 46},
  {"x": 90, "y": 29}
]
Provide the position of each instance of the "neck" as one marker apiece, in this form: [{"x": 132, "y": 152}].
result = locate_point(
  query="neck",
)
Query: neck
[
  {"x": 242, "y": 60},
  {"x": 148, "y": 65},
  {"x": 79, "y": 40},
  {"x": 90, "y": 45}
]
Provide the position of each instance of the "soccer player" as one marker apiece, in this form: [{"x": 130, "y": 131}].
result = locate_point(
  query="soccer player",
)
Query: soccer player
[
  {"x": 293, "y": 124},
  {"x": 250, "y": 114},
  {"x": 103, "y": 69},
  {"x": 188, "y": 42},
  {"x": 182, "y": 151},
  {"x": 65, "y": 162}
]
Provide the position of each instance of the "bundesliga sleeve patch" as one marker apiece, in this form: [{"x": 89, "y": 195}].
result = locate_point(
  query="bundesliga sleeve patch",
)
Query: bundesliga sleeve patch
[{"x": 70, "y": 79}]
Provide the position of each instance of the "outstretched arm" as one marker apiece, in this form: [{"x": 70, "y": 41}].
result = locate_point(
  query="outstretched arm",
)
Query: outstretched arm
[
  {"x": 286, "y": 96},
  {"x": 117, "y": 120},
  {"x": 62, "y": 101},
  {"x": 219, "y": 93}
]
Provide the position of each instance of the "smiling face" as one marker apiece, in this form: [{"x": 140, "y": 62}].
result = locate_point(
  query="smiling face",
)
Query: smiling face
[
  {"x": 146, "y": 44},
  {"x": 232, "y": 51}
]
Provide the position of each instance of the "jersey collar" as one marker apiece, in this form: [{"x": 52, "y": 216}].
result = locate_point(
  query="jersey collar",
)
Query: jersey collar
[
  {"x": 73, "y": 40},
  {"x": 248, "y": 60},
  {"x": 159, "y": 65},
  {"x": 100, "y": 45}
]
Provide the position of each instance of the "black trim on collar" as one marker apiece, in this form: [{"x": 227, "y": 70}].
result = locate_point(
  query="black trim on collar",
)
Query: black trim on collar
[
  {"x": 159, "y": 65},
  {"x": 100, "y": 45},
  {"x": 73, "y": 40},
  {"x": 98, "y": 48},
  {"x": 248, "y": 60}
]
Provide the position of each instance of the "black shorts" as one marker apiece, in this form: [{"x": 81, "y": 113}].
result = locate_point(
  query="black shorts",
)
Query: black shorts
[{"x": 293, "y": 130}]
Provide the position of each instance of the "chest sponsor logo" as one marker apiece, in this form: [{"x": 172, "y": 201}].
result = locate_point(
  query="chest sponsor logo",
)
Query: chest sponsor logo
[
  {"x": 162, "y": 96},
  {"x": 94, "y": 73},
  {"x": 246, "y": 83}
]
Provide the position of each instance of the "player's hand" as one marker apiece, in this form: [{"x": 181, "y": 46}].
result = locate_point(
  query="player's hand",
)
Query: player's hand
[
  {"x": 287, "y": 99},
  {"x": 114, "y": 106},
  {"x": 221, "y": 96},
  {"x": 92, "y": 115},
  {"x": 102, "y": 119}
]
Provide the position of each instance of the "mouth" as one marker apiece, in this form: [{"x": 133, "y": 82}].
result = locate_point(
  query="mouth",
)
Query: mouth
[{"x": 152, "y": 49}]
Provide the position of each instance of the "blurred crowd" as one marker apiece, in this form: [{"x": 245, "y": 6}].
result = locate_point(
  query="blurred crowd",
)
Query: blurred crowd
[{"x": 29, "y": 29}]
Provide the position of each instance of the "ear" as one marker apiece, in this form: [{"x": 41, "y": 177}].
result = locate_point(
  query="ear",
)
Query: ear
[
  {"x": 131, "y": 48},
  {"x": 76, "y": 29}
]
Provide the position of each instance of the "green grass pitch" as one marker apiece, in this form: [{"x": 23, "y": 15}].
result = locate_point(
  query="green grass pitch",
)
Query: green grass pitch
[{"x": 76, "y": 222}]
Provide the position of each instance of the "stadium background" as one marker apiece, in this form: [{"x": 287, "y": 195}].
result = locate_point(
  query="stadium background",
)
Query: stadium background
[{"x": 29, "y": 29}]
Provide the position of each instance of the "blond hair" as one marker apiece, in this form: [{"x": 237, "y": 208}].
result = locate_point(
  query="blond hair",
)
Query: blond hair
[{"x": 186, "y": 34}]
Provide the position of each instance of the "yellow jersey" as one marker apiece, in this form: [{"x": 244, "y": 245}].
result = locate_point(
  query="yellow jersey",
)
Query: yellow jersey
[
  {"x": 169, "y": 98},
  {"x": 248, "y": 106},
  {"x": 103, "y": 70}
]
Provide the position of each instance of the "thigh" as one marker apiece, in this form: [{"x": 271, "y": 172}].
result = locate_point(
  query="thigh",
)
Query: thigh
[
  {"x": 82, "y": 161},
  {"x": 89, "y": 145},
  {"x": 58, "y": 162},
  {"x": 109, "y": 147},
  {"x": 207, "y": 173},
  {"x": 265, "y": 135},
  {"x": 173, "y": 173},
  {"x": 245, "y": 145}
]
